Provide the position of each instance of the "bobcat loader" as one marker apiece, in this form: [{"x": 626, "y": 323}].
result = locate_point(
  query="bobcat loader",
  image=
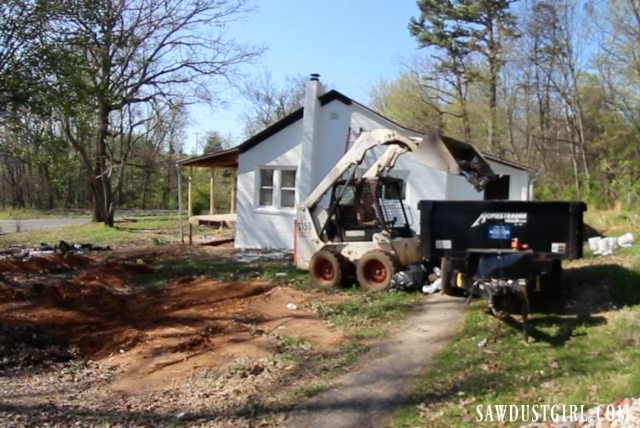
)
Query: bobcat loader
[{"x": 365, "y": 229}]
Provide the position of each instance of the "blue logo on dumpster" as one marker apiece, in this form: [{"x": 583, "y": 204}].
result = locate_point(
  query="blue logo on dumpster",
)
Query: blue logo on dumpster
[{"x": 500, "y": 231}]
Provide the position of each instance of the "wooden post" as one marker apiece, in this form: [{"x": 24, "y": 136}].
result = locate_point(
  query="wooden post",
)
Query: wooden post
[
  {"x": 190, "y": 194},
  {"x": 212, "y": 191},
  {"x": 234, "y": 189},
  {"x": 180, "y": 203}
]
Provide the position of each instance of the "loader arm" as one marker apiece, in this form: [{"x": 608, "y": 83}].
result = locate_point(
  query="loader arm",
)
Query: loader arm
[{"x": 355, "y": 155}]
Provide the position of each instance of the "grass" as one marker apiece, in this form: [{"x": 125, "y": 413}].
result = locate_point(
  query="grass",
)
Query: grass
[
  {"x": 227, "y": 269},
  {"x": 613, "y": 222},
  {"x": 370, "y": 315},
  {"x": 25, "y": 214},
  {"x": 146, "y": 231},
  {"x": 578, "y": 357},
  {"x": 291, "y": 350}
]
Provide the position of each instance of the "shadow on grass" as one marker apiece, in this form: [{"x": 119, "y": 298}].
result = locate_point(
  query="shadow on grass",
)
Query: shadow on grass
[{"x": 586, "y": 292}]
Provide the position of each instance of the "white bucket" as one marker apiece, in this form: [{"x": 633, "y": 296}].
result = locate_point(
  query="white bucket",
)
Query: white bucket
[
  {"x": 593, "y": 243},
  {"x": 606, "y": 246},
  {"x": 625, "y": 240}
]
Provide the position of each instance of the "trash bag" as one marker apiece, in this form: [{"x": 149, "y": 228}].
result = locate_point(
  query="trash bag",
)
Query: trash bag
[{"x": 410, "y": 279}]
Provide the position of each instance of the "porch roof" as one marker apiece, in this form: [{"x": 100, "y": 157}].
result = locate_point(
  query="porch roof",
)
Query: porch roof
[{"x": 223, "y": 158}]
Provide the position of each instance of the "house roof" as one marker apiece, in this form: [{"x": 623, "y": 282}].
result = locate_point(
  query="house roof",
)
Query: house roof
[
  {"x": 512, "y": 164},
  {"x": 229, "y": 157}
]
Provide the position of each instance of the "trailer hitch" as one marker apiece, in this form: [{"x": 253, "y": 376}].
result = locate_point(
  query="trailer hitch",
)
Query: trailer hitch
[{"x": 501, "y": 293}]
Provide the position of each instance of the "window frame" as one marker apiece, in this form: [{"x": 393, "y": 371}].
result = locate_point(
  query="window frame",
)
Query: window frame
[{"x": 276, "y": 188}]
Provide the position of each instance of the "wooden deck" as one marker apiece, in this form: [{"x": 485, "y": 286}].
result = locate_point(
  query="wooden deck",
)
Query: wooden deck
[{"x": 216, "y": 220}]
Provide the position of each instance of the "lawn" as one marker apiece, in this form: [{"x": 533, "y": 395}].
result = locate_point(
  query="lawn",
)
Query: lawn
[{"x": 144, "y": 231}]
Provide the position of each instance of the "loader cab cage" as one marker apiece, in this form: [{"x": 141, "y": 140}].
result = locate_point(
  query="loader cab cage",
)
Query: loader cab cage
[{"x": 362, "y": 207}]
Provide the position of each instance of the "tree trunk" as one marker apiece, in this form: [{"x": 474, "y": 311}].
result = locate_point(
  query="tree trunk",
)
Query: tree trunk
[{"x": 103, "y": 206}]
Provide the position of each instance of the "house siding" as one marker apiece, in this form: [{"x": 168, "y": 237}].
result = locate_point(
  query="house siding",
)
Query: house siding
[{"x": 266, "y": 227}]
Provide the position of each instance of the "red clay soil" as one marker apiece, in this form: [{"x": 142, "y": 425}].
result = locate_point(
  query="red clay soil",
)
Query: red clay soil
[{"x": 153, "y": 334}]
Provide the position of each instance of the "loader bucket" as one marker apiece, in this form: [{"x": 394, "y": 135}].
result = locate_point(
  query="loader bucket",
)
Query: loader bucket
[{"x": 455, "y": 157}]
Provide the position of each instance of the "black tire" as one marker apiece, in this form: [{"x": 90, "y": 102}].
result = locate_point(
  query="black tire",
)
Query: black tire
[
  {"x": 446, "y": 272},
  {"x": 375, "y": 270},
  {"x": 326, "y": 269}
]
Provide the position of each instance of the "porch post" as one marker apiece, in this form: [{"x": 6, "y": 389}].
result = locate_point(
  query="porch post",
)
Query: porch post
[
  {"x": 190, "y": 194},
  {"x": 212, "y": 191},
  {"x": 234, "y": 189}
]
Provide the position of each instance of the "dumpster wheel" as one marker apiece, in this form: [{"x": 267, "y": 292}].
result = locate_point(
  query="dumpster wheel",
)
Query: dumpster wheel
[{"x": 446, "y": 275}]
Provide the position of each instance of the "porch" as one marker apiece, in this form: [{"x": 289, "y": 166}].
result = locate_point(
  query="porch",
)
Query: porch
[{"x": 214, "y": 162}]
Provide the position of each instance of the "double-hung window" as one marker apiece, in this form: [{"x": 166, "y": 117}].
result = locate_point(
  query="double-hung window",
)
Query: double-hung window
[{"x": 276, "y": 187}]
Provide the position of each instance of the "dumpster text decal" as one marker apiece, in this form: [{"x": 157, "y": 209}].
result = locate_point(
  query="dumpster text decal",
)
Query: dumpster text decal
[{"x": 516, "y": 219}]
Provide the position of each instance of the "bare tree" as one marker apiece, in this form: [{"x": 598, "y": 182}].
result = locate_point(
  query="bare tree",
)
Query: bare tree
[
  {"x": 421, "y": 98},
  {"x": 269, "y": 101},
  {"x": 118, "y": 60}
]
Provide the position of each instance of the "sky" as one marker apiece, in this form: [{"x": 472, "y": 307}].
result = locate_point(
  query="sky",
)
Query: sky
[{"x": 352, "y": 44}]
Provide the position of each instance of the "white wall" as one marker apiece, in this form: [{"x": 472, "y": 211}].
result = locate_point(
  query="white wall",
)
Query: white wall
[
  {"x": 518, "y": 181},
  {"x": 335, "y": 119},
  {"x": 266, "y": 227}
]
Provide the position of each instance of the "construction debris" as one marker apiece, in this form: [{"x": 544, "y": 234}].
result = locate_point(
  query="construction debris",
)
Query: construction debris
[
  {"x": 409, "y": 279},
  {"x": 606, "y": 246},
  {"x": 45, "y": 249}
]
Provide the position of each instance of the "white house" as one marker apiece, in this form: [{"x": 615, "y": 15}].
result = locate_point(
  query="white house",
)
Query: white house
[{"x": 278, "y": 167}]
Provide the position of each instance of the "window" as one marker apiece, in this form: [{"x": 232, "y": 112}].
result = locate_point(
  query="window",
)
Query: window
[
  {"x": 266, "y": 187},
  {"x": 288, "y": 188},
  {"x": 277, "y": 187}
]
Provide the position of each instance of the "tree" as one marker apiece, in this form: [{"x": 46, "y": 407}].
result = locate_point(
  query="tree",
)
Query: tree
[
  {"x": 118, "y": 61},
  {"x": 552, "y": 51},
  {"x": 410, "y": 102},
  {"x": 459, "y": 29},
  {"x": 20, "y": 22},
  {"x": 214, "y": 142},
  {"x": 619, "y": 69},
  {"x": 270, "y": 102}
]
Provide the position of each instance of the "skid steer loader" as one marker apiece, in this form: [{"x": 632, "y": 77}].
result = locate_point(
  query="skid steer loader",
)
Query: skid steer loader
[{"x": 364, "y": 230}]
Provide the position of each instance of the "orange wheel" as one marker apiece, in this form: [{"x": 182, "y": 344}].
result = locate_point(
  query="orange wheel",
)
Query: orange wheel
[
  {"x": 375, "y": 270},
  {"x": 326, "y": 269}
]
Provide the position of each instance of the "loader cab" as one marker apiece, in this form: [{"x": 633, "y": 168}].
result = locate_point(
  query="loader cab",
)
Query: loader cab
[{"x": 361, "y": 207}]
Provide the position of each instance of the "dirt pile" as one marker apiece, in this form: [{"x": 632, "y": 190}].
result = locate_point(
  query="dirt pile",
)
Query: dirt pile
[{"x": 138, "y": 343}]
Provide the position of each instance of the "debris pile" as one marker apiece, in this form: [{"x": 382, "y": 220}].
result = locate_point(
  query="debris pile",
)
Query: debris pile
[
  {"x": 415, "y": 277},
  {"x": 606, "y": 246},
  {"x": 45, "y": 249}
]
